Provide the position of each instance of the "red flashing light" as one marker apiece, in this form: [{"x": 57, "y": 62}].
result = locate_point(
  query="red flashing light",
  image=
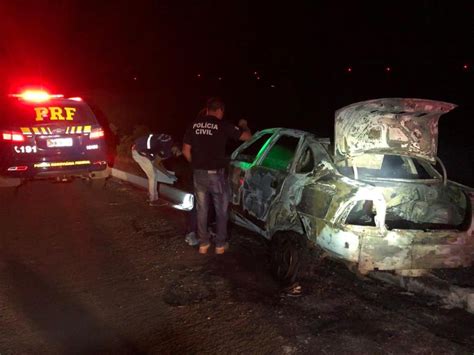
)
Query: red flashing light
[
  {"x": 36, "y": 96},
  {"x": 76, "y": 99},
  {"x": 13, "y": 136},
  {"x": 97, "y": 133}
]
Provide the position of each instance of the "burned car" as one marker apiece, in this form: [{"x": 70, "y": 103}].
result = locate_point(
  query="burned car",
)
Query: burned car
[{"x": 377, "y": 198}]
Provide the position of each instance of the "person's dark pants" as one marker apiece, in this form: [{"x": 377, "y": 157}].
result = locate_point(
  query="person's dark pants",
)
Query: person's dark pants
[
  {"x": 191, "y": 217},
  {"x": 211, "y": 184}
]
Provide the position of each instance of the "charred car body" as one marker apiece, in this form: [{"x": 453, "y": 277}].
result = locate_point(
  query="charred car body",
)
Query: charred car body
[{"x": 373, "y": 199}]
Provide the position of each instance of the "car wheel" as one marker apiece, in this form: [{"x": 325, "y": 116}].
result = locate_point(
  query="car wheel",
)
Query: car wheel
[
  {"x": 9, "y": 182},
  {"x": 288, "y": 251},
  {"x": 8, "y": 193},
  {"x": 9, "y": 187}
]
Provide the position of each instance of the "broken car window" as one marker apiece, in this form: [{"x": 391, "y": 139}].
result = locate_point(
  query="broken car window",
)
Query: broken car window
[
  {"x": 282, "y": 153},
  {"x": 249, "y": 154},
  {"x": 387, "y": 167},
  {"x": 306, "y": 162}
]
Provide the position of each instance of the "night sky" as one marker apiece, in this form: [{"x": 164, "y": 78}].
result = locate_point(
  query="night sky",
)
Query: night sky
[{"x": 310, "y": 58}]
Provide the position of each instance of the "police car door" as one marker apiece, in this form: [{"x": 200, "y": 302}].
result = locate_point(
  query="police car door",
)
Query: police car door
[{"x": 263, "y": 181}]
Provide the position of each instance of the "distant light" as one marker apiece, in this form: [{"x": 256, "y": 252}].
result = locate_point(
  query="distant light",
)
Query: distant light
[
  {"x": 220, "y": 78},
  {"x": 388, "y": 69},
  {"x": 465, "y": 66},
  {"x": 135, "y": 78},
  {"x": 199, "y": 75},
  {"x": 272, "y": 86},
  {"x": 255, "y": 73},
  {"x": 258, "y": 78},
  {"x": 349, "y": 69}
]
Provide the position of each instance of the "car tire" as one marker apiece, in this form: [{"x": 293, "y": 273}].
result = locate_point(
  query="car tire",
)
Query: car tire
[
  {"x": 9, "y": 182},
  {"x": 288, "y": 256},
  {"x": 8, "y": 193},
  {"x": 9, "y": 187}
]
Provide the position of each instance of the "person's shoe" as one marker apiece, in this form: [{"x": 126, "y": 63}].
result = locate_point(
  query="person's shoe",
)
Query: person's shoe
[
  {"x": 191, "y": 239},
  {"x": 222, "y": 249},
  {"x": 203, "y": 248},
  {"x": 294, "y": 290}
]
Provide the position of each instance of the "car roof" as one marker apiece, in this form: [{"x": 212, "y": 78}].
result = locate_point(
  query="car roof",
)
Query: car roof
[{"x": 296, "y": 132}]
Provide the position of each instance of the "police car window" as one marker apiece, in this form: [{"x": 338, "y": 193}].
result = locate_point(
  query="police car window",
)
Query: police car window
[
  {"x": 15, "y": 112},
  {"x": 280, "y": 156},
  {"x": 306, "y": 161},
  {"x": 249, "y": 154}
]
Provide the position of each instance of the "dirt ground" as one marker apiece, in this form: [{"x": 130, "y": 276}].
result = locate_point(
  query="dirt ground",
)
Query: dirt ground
[{"x": 99, "y": 271}]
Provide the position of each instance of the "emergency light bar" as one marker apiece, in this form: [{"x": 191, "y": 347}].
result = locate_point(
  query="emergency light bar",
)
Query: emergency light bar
[{"x": 36, "y": 96}]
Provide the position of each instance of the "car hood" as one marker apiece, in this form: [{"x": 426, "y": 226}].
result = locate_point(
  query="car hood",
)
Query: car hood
[{"x": 393, "y": 126}]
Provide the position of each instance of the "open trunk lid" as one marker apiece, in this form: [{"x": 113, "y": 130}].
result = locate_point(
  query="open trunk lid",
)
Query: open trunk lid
[{"x": 402, "y": 126}]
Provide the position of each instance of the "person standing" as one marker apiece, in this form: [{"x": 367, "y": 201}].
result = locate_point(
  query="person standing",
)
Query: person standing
[
  {"x": 243, "y": 125},
  {"x": 204, "y": 147},
  {"x": 148, "y": 151}
]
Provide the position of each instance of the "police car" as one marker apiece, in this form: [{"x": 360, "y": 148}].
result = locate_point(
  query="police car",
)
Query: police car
[{"x": 49, "y": 136}]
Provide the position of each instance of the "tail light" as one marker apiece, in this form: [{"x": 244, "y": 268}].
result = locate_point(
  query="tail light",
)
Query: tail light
[
  {"x": 18, "y": 168},
  {"x": 96, "y": 133},
  {"x": 13, "y": 136}
]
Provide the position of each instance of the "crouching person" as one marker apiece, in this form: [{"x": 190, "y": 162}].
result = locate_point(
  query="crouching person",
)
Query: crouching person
[{"x": 149, "y": 151}]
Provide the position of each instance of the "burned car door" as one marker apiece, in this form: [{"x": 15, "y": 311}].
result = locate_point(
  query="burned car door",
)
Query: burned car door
[
  {"x": 318, "y": 189},
  {"x": 241, "y": 161},
  {"x": 283, "y": 214},
  {"x": 262, "y": 181}
]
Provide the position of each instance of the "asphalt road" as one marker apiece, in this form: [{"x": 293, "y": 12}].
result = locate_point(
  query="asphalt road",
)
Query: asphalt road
[{"x": 98, "y": 271}]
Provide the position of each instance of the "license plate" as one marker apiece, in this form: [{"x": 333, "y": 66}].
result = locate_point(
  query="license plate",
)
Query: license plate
[{"x": 59, "y": 142}]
